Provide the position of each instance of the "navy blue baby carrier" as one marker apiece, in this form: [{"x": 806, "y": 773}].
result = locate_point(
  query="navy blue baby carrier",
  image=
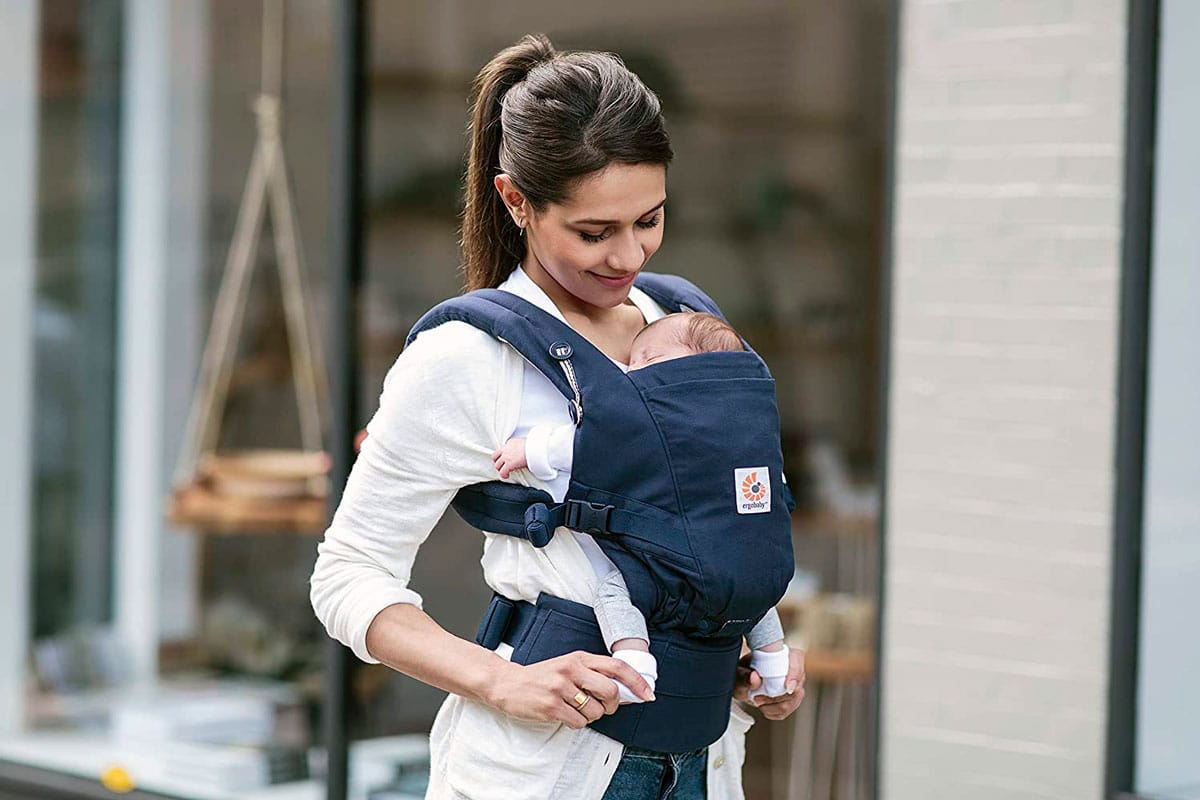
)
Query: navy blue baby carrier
[{"x": 679, "y": 476}]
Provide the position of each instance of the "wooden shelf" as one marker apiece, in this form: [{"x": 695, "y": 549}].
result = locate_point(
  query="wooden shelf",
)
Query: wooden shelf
[
  {"x": 832, "y": 666},
  {"x": 202, "y": 510}
]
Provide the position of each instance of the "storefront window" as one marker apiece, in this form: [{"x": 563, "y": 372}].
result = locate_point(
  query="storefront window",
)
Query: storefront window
[
  {"x": 74, "y": 327},
  {"x": 776, "y": 114},
  {"x": 161, "y": 657}
]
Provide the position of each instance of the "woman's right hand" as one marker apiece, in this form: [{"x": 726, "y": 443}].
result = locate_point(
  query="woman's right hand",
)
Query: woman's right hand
[{"x": 545, "y": 691}]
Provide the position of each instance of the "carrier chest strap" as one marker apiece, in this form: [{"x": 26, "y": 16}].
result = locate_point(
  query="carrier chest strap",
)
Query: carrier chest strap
[{"x": 533, "y": 515}]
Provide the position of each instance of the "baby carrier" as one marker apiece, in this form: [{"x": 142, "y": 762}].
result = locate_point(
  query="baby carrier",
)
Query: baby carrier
[{"x": 679, "y": 476}]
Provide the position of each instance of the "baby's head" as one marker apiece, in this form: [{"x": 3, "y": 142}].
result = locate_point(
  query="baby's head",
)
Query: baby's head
[{"x": 683, "y": 334}]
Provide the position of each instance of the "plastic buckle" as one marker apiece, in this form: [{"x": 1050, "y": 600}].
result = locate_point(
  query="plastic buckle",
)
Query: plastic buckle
[
  {"x": 539, "y": 527},
  {"x": 587, "y": 517}
]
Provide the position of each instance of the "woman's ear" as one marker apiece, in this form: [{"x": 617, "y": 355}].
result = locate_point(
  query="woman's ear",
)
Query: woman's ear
[{"x": 513, "y": 199}]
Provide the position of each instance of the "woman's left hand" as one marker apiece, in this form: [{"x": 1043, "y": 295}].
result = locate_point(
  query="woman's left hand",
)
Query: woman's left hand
[{"x": 772, "y": 707}]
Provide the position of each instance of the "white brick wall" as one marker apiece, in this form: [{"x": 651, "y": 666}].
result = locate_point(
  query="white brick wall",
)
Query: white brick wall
[{"x": 1007, "y": 233}]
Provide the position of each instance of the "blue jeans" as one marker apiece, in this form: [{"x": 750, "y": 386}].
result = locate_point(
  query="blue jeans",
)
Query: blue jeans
[{"x": 646, "y": 775}]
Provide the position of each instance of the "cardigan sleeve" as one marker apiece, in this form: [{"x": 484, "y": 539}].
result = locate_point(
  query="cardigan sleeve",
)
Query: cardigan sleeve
[{"x": 444, "y": 403}]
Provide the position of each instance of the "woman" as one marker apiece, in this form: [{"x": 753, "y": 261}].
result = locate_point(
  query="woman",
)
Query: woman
[{"x": 566, "y": 185}]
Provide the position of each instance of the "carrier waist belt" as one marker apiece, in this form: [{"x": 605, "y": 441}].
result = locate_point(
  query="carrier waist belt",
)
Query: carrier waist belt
[{"x": 695, "y": 677}]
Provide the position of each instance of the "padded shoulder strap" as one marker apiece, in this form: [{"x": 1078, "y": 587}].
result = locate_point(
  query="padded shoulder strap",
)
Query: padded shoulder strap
[
  {"x": 675, "y": 293},
  {"x": 511, "y": 319}
]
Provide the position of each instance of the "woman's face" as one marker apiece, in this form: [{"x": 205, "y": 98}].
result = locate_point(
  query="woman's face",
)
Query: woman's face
[{"x": 593, "y": 245}]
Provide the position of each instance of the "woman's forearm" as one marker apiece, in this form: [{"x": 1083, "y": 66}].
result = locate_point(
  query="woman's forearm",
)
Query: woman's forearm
[{"x": 408, "y": 640}]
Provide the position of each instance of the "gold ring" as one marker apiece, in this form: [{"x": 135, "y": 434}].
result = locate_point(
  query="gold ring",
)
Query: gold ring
[{"x": 581, "y": 699}]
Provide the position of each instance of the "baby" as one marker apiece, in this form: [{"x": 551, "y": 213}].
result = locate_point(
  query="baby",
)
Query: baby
[{"x": 548, "y": 450}]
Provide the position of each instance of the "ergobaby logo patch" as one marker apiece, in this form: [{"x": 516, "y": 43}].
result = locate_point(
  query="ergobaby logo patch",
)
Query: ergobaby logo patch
[{"x": 752, "y": 488}]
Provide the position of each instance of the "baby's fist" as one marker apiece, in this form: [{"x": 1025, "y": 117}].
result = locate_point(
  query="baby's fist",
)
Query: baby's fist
[{"x": 510, "y": 457}]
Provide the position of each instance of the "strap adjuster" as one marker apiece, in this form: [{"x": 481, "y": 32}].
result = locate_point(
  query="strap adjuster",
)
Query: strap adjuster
[
  {"x": 578, "y": 515},
  {"x": 588, "y": 517},
  {"x": 539, "y": 524}
]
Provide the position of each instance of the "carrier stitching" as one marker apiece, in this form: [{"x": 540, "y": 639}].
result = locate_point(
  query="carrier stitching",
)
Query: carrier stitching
[{"x": 674, "y": 484}]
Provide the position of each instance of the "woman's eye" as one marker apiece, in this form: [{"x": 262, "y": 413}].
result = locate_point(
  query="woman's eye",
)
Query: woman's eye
[{"x": 599, "y": 237}]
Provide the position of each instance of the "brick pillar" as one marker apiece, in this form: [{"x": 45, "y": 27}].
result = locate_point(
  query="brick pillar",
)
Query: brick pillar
[{"x": 1002, "y": 401}]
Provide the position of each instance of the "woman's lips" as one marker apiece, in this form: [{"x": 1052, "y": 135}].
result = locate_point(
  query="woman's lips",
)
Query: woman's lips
[{"x": 614, "y": 283}]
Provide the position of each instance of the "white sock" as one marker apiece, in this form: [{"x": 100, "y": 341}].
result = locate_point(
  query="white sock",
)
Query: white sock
[
  {"x": 773, "y": 669},
  {"x": 646, "y": 665}
]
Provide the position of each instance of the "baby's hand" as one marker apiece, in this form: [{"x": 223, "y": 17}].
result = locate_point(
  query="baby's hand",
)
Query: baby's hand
[
  {"x": 510, "y": 456},
  {"x": 771, "y": 663},
  {"x": 640, "y": 659}
]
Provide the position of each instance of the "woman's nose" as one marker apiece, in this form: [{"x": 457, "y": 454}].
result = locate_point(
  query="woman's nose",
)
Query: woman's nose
[{"x": 627, "y": 254}]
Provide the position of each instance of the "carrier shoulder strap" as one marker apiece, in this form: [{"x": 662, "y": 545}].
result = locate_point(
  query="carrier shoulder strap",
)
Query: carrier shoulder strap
[
  {"x": 675, "y": 293},
  {"x": 526, "y": 328}
]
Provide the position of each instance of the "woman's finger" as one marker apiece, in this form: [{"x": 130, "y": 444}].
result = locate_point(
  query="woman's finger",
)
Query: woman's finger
[
  {"x": 776, "y": 708},
  {"x": 795, "y": 676},
  {"x": 602, "y": 689},
  {"x": 617, "y": 669},
  {"x": 591, "y": 709},
  {"x": 575, "y": 715}
]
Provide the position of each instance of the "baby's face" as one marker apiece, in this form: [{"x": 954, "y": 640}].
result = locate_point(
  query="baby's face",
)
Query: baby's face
[{"x": 660, "y": 343}]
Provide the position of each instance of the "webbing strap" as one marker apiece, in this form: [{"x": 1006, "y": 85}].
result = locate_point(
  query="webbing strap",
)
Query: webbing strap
[{"x": 532, "y": 514}]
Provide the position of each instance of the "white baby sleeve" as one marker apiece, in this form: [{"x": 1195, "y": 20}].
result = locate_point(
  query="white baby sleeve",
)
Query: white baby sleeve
[
  {"x": 615, "y": 612},
  {"x": 769, "y": 629},
  {"x": 773, "y": 669},
  {"x": 550, "y": 449}
]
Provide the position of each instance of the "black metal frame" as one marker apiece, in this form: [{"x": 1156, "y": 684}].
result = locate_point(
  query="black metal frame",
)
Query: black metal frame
[
  {"x": 1141, "y": 110},
  {"x": 345, "y": 280}
]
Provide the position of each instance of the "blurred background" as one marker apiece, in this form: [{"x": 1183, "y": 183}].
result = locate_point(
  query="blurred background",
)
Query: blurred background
[{"x": 961, "y": 232}]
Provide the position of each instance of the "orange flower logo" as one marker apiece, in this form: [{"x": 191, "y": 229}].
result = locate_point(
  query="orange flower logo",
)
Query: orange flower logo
[{"x": 752, "y": 488}]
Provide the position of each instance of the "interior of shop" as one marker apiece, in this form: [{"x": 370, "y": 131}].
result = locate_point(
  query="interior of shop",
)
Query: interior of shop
[{"x": 777, "y": 114}]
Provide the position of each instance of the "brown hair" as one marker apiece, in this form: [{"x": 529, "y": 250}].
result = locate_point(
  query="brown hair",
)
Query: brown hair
[
  {"x": 702, "y": 332},
  {"x": 547, "y": 118}
]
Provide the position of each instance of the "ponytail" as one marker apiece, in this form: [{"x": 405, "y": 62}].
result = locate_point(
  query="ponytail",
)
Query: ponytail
[
  {"x": 492, "y": 243},
  {"x": 547, "y": 118}
]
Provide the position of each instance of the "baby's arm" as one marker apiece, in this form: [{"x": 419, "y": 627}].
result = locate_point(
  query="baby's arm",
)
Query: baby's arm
[
  {"x": 769, "y": 655},
  {"x": 624, "y": 631},
  {"x": 547, "y": 451}
]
